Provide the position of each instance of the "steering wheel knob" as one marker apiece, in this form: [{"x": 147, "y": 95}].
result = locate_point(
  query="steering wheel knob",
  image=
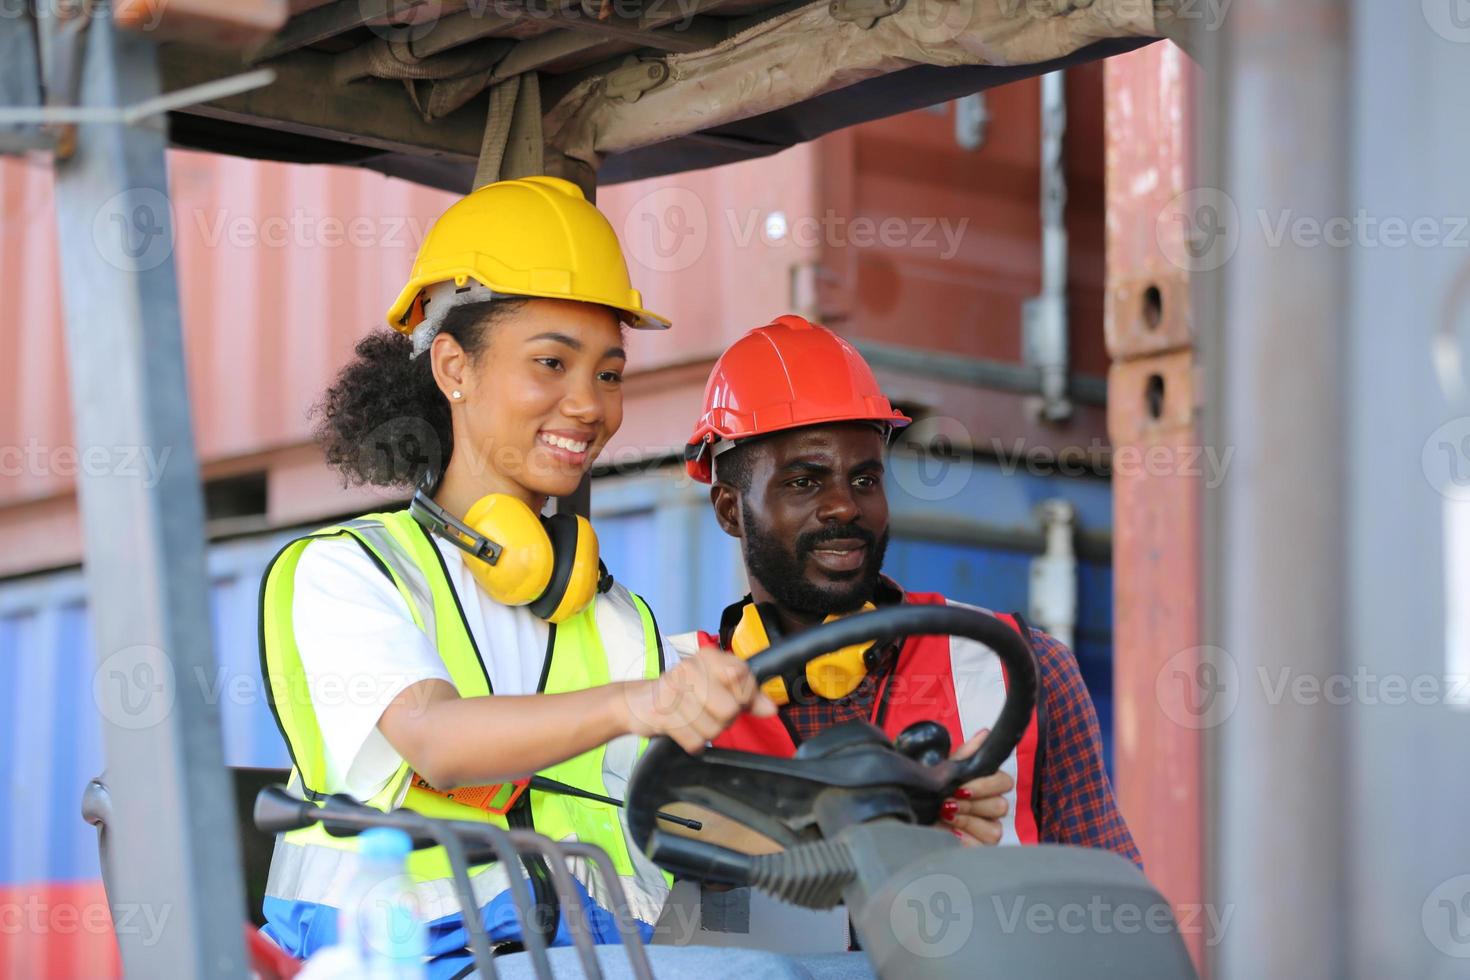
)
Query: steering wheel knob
[{"x": 926, "y": 742}]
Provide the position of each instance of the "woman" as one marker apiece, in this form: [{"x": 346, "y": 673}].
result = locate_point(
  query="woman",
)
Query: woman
[{"x": 430, "y": 657}]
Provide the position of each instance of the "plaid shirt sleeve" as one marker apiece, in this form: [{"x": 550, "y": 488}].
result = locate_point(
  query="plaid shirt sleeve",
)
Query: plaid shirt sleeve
[{"x": 1077, "y": 804}]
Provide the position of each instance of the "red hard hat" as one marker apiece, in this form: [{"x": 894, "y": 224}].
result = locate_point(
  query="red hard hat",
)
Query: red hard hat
[{"x": 785, "y": 375}]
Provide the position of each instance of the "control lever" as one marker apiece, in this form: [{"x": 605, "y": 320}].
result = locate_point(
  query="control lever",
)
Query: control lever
[{"x": 926, "y": 742}]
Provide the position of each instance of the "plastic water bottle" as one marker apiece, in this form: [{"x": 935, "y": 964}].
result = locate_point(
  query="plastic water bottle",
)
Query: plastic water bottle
[{"x": 379, "y": 936}]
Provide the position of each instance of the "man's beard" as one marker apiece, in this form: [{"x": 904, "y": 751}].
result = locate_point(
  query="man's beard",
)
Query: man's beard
[{"x": 782, "y": 569}]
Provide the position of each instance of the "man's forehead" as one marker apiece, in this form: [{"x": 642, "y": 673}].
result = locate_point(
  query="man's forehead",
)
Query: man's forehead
[{"x": 843, "y": 443}]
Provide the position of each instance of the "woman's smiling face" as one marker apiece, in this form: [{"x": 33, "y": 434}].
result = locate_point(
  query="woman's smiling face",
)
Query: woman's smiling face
[{"x": 542, "y": 399}]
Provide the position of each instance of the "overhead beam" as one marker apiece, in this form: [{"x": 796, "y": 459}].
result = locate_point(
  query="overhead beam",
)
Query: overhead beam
[
  {"x": 699, "y": 33},
  {"x": 369, "y": 113},
  {"x": 320, "y": 23},
  {"x": 537, "y": 52}
]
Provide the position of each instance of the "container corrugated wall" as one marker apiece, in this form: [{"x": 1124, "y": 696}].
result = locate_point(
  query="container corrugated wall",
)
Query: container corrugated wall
[
  {"x": 283, "y": 268},
  {"x": 54, "y": 919}
]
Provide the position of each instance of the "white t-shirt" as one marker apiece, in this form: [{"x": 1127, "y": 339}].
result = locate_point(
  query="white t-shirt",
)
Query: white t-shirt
[{"x": 360, "y": 648}]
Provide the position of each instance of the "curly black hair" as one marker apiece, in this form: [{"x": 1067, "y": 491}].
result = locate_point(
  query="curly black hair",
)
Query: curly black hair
[{"x": 384, "y": 421}]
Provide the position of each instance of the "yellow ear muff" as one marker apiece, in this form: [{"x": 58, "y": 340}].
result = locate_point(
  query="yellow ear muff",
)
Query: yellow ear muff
[
  {"x": 575, "y": 573},
  {"x": 750, "y": 638},
  {"x": 832, "y": 675},
  {"x": 837, "y": 674},
  {"x": 524, "y": 568}
]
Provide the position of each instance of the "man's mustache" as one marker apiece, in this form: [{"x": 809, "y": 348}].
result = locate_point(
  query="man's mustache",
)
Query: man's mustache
[{"x": 812, "y": 540}]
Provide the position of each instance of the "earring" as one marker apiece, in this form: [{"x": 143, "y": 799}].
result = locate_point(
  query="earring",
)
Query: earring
[{"x": 456, "y": 394}]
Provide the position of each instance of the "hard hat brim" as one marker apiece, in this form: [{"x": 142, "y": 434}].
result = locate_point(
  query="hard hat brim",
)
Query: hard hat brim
[{"x": 634, "y": 316}]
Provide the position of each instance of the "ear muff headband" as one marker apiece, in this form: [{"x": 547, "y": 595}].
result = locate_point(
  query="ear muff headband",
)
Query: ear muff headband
[
  {"x": 832, "y": 676},
  {"x": 446, "y": 525}
]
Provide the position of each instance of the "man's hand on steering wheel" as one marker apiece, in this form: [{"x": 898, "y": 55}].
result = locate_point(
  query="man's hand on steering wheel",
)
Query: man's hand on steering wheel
[{"x": 974, "y": 813}]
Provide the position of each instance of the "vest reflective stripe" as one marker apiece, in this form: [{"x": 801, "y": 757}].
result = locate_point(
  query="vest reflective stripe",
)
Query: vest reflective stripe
[
  {"x": 957, "y": 682},
  {"x": 613, "y": 639}
]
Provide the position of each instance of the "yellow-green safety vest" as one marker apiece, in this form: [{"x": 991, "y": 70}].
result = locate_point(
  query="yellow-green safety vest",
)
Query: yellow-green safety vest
[{"x": 613, "y": 639}]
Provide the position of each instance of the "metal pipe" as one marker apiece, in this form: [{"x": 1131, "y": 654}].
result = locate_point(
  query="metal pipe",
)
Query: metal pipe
[
  {"x": 1275, "y": 127},
  {"x": 1045, "y": 324},
  {"x": 566, "y": 896},
  {"x": 174, "y": 848}
]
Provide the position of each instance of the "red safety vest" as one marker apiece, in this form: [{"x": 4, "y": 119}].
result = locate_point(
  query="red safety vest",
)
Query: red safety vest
[{"x": 952, "y": 680}]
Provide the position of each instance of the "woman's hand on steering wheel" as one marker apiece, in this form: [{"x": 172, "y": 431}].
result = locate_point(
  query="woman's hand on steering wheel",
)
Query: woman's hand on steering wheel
[
  {"x": 696, "y": 700},
  {"x": 974, "y": 813}
]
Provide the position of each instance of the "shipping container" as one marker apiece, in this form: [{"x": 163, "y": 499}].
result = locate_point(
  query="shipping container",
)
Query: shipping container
[{"x": 917, "y": 236}]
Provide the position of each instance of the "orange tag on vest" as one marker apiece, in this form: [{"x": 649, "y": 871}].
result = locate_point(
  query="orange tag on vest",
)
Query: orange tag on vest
[{"x": 496, "y": 798}]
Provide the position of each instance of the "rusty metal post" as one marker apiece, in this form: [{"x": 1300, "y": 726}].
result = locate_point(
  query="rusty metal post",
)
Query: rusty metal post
[{"x": 1159, "y": 470}]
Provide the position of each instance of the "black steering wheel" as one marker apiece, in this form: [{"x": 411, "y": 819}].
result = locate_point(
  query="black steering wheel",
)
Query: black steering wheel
[{"x": 850, "y": 773}]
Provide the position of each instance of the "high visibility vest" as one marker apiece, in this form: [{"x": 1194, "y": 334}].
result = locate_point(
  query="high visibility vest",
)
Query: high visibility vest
[
  {"x": 613, "y": 639},
  {"x": 949, "y": 679}
]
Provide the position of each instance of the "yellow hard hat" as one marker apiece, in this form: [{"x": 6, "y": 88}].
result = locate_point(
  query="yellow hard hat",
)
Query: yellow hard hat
[{"x": 536, "y": 236}]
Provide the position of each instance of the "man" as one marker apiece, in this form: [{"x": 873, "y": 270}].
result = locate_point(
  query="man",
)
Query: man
[{"x": 793, "y": 439}]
